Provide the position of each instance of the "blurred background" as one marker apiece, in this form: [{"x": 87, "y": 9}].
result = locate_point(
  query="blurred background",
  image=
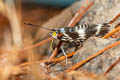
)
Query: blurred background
[
  {"x": 51, "y": 3},
  {"x": 13, "y": 13},
  {"x": 15, "y": 36}
]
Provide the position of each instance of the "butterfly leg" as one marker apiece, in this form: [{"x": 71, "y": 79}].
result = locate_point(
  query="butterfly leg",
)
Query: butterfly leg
[
  {"x": 62, "y": 48},
  {"x": 77, "y": 47}
]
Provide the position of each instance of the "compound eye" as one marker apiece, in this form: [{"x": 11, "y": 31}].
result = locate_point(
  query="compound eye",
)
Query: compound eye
[{"x": 54, "y": 34}]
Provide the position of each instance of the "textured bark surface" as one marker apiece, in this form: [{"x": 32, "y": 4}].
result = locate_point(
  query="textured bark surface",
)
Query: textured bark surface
[
  {"x": 102, "y": 62},
  {"x": 101, "y": 12}
]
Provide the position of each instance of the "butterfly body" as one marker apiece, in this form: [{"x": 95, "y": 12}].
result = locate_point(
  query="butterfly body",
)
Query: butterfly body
[{"x": 79, "y": 34}]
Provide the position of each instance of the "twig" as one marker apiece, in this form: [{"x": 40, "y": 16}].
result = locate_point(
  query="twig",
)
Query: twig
[
  {"x": 55, "y": 51},
  {"x": 2, "y": 57},
  {"x": 112, "y": 66},
  {"x": 112, "y": 32},
  {"x": 62, "y": 58},
  {"x": 76, "y": 66},
  {"x": 55, "y": 60},
  {"x": 47, "y": 60},
  {"x": 114, "y": 19},
  {"x": 36, "y": 45},
  {"x": 77, "y": 14},
  {"x": 115, "y": 30},
  {"x": 81, "y": 14}
]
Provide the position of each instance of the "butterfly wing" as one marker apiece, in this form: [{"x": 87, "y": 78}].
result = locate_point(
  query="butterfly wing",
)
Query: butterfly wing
[{"x": 81, "y": 33}]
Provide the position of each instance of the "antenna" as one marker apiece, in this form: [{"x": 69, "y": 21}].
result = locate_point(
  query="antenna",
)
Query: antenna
[{"x": 37, "y": 26}]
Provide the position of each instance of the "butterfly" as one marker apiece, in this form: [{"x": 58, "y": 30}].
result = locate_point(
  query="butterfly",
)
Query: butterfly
[{"x": 77, "y": 35}]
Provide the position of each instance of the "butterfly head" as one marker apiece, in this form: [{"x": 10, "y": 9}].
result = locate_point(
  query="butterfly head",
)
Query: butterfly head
[{"x": 54, "y": 33}]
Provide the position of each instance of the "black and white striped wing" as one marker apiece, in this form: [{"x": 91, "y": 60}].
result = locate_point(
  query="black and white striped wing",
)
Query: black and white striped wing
[
  {"x": 81, "y": 33},
  {"x": 69, "y": 35},
  {"x": 98, "y": 30}
]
